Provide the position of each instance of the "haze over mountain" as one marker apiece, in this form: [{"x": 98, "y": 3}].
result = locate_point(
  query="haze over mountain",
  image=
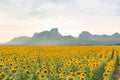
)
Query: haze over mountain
[{"x": 53, "y": 37}]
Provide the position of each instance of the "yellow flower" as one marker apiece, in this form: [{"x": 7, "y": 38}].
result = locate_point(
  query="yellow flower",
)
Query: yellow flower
[
  {"x": 6, "y": 68},
  {"x": 82, "y": 78},
  {"x": 1, "y": 65},
  {"x": 52, "y": 67},
  {"x": 78, "y": 73},
  {"x": 43, "y": 79},
  {"x": 105, "y": 74},
  {"x": 70, "y": 78},
  {"x": 3, "y": 75},
  {"x": 73, "y": 74},
  {"x": 90, "y": 74},
  {"x": 52, "y": 73},
  {"x": 13, "y": 71},
  {"x": 70, "y": 71},
  {"x": 60, "y": 69},
  {"x": 45, "y": 71},
  {"x": 82, "y": 74},
  {"x": 60, "y": 75},
  {"x": 106, "y": 79},
  {"x": 27, "y": 72},
  {"x": 42, "y": 76},
  {"x": 37, "y": 72}
]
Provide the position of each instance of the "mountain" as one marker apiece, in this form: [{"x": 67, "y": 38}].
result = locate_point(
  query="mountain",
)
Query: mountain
[
  {"x": 85, "y": 38},
  {"x": 53, "y": 37},
  {"x": 18, "y": 41}
]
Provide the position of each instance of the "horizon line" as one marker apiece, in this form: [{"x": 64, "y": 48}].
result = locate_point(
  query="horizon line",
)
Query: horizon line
[{"x": 64, "y": 35}]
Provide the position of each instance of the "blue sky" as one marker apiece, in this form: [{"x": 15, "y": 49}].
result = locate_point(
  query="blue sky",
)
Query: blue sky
[{"x": 25, "y": 17}]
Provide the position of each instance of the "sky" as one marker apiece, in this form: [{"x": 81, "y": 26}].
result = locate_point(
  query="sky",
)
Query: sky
[{"x": 71, "y": 17}]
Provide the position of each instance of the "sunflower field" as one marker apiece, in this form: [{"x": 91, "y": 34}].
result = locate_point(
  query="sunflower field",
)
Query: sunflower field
[{"x": 59, "y": 62}]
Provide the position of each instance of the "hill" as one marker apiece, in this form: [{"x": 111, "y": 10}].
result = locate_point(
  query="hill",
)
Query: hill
[{"x": 53, "y": 37}]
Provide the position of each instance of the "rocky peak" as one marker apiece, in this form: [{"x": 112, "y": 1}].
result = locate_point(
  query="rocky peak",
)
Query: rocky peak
[
  {"x": 84, "y": 34},
  {"x": 54, "y": 30}
]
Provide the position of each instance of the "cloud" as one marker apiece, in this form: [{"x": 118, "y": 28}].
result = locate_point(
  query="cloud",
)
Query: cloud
[
  {"x": 53, "y": 8},
  {"x": 96, "y": 16},
  {"x": 115, "y": 4}
]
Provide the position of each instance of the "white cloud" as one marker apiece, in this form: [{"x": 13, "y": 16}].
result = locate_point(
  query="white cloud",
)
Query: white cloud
[{"x": 24, "y": 17}]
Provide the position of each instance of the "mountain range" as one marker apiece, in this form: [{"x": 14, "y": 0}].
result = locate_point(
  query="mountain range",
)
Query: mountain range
[{"x": 53, "y": 37}]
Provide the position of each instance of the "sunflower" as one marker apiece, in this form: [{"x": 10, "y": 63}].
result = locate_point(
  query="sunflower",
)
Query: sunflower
[
  {"x": 70, "y": 71},
  {"x": 83, "y": 74},
  {"x": 13, "y": 71},
  {"x": 15, "y": 67},
  {"x": 82, "y": 78},
  {"x": 60, "y": 76},
  {"x": 37, "y": 72},
  {"x": 1, "y": 65},
  {"x": 52, "y": 73},
  {"x": 45, "y": 71},
  {"x": 70, "y": 78},
  {"x": 106, "y": 79},
  {"x": 64, "y": 72},
  {"x": 6, "y": 68},
  {"x": 3, "y": 75},
  {"x": 78, "y": 73},
  {"x": 90, "y": 74},
  {"x": 42, "y": 76},
  {"x": 27, "y": 72},
  {"x": 105, "y": 74},
  {"x": 43, "y": 79},
  {"x": 60, "y": 69},
  {"x": 73, "y": 74},
  {"x": 52, "y": 67}
]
